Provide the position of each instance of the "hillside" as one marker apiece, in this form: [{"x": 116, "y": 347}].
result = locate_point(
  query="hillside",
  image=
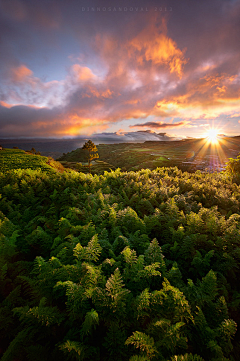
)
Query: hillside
[
  {"x": 19, "y": 159},
  {"x": 122, "y": 266},
  {"x": 188, "y": 154}
]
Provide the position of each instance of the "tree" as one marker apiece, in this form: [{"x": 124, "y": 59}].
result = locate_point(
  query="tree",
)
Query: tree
[{"x": 92, "y": 152}]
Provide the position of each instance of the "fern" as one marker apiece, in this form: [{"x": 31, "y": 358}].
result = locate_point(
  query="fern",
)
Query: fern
[
  {"x": 229, "y": 328},
  {"x": 76, "y": 300},
  {"x": 187, "y": 357},
  {"x": 90, "y": 253},
  {"x": 115, "y": 290},
  {"x": 130, "y": 256},
  {"x": 139, "y": 358},
  {"x": 171, "y": 303},
  {"x": 170, "y": 336},
  {"x": 202, "y": 264},
  {"x": 90, "y": 322},
  {"x": 154, "y": 254},
  {"x": 142, "y": 304},
  {"x": 16, "y": 347},
  {"x": 42, "y": 314},
  {"x": 144, "y": 342},
  {"x": 73, "y": 350},
  {"x": 114, "y": 342}
]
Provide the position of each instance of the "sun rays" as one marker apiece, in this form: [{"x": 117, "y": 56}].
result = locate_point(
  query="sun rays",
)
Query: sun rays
[{"x": 212, "y": 136}]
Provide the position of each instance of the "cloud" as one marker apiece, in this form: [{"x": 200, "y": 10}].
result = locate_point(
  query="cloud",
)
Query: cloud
[
  {"x": 107, "y": 67},
  {"x": 152, "y": 45},
  {"x": 20, "y": 74},
  {"x": 160, "y": 125},
  {"x": 82, "y": 73}
]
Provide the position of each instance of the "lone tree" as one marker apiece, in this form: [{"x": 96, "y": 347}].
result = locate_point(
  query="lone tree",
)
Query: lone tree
[{"x": 92, "y": 152}]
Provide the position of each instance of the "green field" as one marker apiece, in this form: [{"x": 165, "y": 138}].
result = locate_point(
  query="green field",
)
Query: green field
[{"x": 18, "y": 159}]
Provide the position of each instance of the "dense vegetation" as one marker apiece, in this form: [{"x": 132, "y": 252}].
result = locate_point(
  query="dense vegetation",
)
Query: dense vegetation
[
  {"x": 123, "y": 266},
  {"x": 19, "y": 159}
]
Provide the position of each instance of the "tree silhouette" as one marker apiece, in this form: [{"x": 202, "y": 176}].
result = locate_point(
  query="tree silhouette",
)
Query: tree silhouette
[{"x": 92, "y": 152}]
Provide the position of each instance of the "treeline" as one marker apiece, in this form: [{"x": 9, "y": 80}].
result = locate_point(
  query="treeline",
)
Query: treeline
[{"x": 123, "y": 266}]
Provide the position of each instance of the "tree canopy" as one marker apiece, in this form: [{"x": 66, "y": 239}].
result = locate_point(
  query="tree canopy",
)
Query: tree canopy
[{"x": 92, "y": 152}]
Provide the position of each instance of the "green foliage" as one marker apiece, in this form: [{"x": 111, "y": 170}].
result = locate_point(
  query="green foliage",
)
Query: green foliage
[
  {"x": 17, "y": 159},
  {"x": 144, "y": 343},
  {"x": 115, "y": 291},
  {"x": 233, "y": 166},
  {"x": 41, "y": 314},
  {"x": 90, "y": 253},
  {"x": 90, "y": 322},
  {"x": 187, "y": 357},
  {"x": 114, "y": 342},
  {"x": 88, "y": 262},
  {"x": 73, "y": 350}
]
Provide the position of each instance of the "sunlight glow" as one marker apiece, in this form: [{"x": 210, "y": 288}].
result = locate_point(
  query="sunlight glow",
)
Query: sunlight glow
[{"x": 212, "y": 135}]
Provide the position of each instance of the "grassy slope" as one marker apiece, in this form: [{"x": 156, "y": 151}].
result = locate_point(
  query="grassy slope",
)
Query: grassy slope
[
  {"x": 135, "y": 156},
  {"x": 18, "y": 159}
]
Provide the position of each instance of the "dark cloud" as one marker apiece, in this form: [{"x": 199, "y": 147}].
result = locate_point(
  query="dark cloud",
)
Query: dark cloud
[{"x": 160, "y": 125}]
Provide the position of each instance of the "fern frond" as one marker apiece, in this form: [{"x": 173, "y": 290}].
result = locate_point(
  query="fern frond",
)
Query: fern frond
[
  {"x": 115, "y": 289},
  {"x": 139, "y": 358},
  {"x": 90, "y": 322},
  {"x": 187, "y": 357},
  {"x": 90, "y": 253},
  {"x": 130, "y": 256},
  {"x": 42, "y": 314},
  {"x": 15, "y": 349},
  {"x": 154, "y": 254},
  {"x": 228, "y": 329},
  {"x": 143, "y": 303},
  {"x": 73, "y": 350},
  {"x": 144, "y": 342}
]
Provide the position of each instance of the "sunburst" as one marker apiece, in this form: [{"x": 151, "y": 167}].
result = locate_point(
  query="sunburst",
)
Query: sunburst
[{"x": 212, "y": 135}]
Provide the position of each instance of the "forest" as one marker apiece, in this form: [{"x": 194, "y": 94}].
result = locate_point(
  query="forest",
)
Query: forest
[{"x": 139, "y": 265}]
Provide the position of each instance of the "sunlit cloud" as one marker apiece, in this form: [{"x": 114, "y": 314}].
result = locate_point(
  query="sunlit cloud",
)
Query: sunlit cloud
[
  {"x": 156, "y": 70},
  {"x": 20, "y": 73},
  {"x": 82, "y": 73},
  {"x": 153, "y": 46}
]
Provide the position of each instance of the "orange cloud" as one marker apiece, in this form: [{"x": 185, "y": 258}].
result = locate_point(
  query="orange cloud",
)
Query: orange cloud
[
  {"x": 6, "y": 105},
  {"x": 82, "y": 73},
  {"x": 207, "y": 97},
  {"x": 20, "y": 73},
  {"x": 74, "y": 125},
  {"x": 156, "y": 47}
]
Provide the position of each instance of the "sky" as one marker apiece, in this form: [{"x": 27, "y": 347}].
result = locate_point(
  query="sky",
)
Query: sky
[{"x": 80, "y": 67}]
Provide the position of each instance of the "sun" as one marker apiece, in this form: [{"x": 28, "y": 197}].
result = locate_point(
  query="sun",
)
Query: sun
[{"x": 212, "y": 135}]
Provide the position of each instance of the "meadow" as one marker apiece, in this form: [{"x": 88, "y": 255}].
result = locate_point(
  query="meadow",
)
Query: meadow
[{"x": 120, "y": 266}]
